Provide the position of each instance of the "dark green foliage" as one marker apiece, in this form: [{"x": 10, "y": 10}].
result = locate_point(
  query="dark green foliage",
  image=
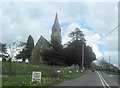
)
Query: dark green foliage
[
  {"x": 56, "y": 45},
  {"x": 73, "y": 52},
  {"x": 89, "y": 56},
  {"x": 22, "y": 55},
  {"x": 76, "y": 35},
  {"x": 3, "y": 50},
  {"x": 26, "y": 52},
  {"x": 54, "y": 56},
  {"x": 29, "y": 46}
]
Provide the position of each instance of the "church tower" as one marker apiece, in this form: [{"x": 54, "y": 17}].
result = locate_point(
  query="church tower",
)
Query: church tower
[{"x": 56, "y": 30}]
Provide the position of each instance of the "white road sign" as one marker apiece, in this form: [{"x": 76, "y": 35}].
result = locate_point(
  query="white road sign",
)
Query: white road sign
[{"x": 36, "y": 76}]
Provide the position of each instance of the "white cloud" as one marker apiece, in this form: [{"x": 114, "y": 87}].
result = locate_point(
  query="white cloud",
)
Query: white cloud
[
  {"x": 11, "y": 27},
  {"x": 96, "y": 51}
]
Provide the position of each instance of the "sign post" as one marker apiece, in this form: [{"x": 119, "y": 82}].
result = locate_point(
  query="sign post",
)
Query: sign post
[
  {"x": 36, "y": 76},
  {"x": 58, "y": 71},
  {"x": 77, "y": 68}
]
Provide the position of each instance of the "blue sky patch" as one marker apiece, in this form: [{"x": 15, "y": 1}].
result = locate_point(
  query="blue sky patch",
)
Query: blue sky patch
[
  {"x": 101, "y": 48},
  {"x": 64, "y": 26},
  {"x": 83, "y": 24}
]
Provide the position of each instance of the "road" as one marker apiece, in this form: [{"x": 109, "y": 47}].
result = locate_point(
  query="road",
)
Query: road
[{"x": 94, "y": 79}]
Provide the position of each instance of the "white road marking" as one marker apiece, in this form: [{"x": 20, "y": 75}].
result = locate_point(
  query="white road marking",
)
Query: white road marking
[{"x": 103, "y": 81}]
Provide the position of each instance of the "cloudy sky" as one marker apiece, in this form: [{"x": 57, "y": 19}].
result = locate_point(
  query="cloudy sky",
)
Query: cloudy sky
[{"x": 95, "y": 19}]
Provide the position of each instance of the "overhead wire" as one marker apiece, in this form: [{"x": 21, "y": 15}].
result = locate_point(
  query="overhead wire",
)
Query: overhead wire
[{"x": 107, "y": 34}]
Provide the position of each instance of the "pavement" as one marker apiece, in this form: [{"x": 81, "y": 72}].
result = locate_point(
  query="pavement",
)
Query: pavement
[{"x": 94, "y": 79}]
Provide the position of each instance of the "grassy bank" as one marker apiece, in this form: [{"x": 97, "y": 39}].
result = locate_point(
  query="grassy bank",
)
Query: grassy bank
[
  {"x": 21, "y": 74},
  {"x": 112, "y": 73}
]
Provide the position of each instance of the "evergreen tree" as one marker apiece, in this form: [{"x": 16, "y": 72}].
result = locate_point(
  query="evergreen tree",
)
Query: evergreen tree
[
  {"x": 74, "y": 49},
  {"x": 56, "y": 45},
  {"x": 26, "y": 52},
  {"x": 89, "y": 56},
  {"x": 76, "y": 34},
  {"x": 54, "y": 56},
  {"x": 29, "y": 46}
]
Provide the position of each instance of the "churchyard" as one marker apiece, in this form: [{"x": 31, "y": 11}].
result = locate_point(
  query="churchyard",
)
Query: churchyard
[{"x": 20, "y": 74}]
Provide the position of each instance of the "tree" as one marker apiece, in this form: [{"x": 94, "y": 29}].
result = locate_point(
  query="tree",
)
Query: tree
[
  {"x": 73, "y": 53},
  {"x": 56, "y": 45},
  {"x": 89, "y": 56},
  {"x": 22, "y": 54},
  {"x": 29, "y": 46},
  {"x": 104, "y": 64},
  {"x": 3, "y": 50},
  {"x": 54, "y": 56},
  {"x": 26, "y": 52},
  {"x": 74, "y": 48},
  {"x": 13, "y": 49},
  {"x": 76, "y": 34}
]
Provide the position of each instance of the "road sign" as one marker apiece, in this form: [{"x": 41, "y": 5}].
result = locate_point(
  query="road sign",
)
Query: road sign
[
  {"x": 76, "y": 70},
  {"x": 36, "y": 76},
  {"x": 58, "y": 71},
  {"x": 70, "y": 71},
  {"x": 77, "y": 67}
]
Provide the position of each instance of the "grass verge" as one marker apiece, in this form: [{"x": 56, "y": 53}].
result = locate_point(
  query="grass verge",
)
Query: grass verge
[
  {"x": 112, "y": 73},
  {"x": 21, "y": 75}
]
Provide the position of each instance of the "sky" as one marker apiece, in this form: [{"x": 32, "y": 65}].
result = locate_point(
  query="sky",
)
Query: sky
[{"x": 95, "y": 19}]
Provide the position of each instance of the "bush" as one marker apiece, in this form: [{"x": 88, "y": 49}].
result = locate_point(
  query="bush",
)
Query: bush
[{"x": 54, "y": 74}]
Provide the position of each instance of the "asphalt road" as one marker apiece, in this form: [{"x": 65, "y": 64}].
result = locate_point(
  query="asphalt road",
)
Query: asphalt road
[{"x": 93, "y": 79}]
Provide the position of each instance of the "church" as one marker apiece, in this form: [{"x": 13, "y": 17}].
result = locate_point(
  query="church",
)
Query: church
[{"x": 42, "y": 43}]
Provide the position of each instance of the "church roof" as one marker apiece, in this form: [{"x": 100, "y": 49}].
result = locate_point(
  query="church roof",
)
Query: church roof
[{"x": 42, "y": 38}]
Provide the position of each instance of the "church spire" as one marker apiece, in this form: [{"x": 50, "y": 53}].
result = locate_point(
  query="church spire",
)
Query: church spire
[
  {"x": 56, "y": 30},
  {"x": 56, "y": 22}
]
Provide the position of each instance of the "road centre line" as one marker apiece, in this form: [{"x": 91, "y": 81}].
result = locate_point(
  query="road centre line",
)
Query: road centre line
[{"x": 103, "y": 81}]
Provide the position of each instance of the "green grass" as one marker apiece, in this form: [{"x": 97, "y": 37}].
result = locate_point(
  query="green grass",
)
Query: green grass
[
  {"x": 25, "y": 80},
  {"x": 25, "y": 69},
  {"x": 21, "y": 76},
  {"x": 112, "y": 73}
]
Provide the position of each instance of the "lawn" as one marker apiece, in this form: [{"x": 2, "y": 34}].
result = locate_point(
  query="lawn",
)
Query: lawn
[{"x": 21, "y": 74}]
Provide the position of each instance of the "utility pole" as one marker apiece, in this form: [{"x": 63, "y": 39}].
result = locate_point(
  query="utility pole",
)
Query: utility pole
[
  {"x": 83, "y": 57},
  {"x": 109, "y": 63}
]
